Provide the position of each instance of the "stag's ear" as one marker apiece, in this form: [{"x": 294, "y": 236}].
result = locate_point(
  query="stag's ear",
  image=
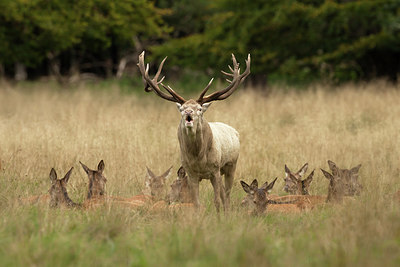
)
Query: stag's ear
[
  {"x": 327, "y": 174},
  {"x": 85, "y": 168},
  {"x": 53, "y": 175},
  {"x": 246, "y": 187},
  {"x": 308, "y": 181},
  {"x": 179, "y": 106},
  {"x": 303, "y": 170},
  {"x": 101, "y": 166},
  {"x": 268, "y": 188},
  {"x": 165, "y": 175},
  {"x": 66, "y": 177},
  {"x": 150, "y": 174},
  {"x": 355, "y": 169},
  {"x": 205, "y": 106}
]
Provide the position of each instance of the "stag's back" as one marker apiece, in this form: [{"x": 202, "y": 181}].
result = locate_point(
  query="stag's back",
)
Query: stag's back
[{"x": 226, "y": 141}]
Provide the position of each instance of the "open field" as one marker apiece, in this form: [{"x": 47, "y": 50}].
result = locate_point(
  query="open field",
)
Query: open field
[{"x": 45, "y": 128}]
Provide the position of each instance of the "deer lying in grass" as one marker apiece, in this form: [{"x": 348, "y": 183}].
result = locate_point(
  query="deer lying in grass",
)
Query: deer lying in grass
[
  {"x": 342, "y": 182},
  {"x": 257, "y": 199},
  {"x": 179, "y": 196},
  {"x": 155, "y": 188},
  {"x": 208, "y": 150},
  {"x": 58, "y": 194},
  {"x": 180, "y": 192},
  {"x": 298, "y": 189},
  {"x": 294, "y": 184},
  {"x": 58, "y": 190}
]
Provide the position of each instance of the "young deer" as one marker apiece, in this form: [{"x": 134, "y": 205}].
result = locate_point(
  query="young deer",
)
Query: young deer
[
  {"x": 156, "y": 186},
  {"x": 96, "y": 191},
  {"x": 258, "y": 198},
  {"x": 97, "y": 182},
  {"x": 342, "y": 182},
  {"x": 58, "y": 190},
  {"x": 294, "y": 184},
  {"x": 208, "y": 150},
  {"x": 180, "y": 192}
]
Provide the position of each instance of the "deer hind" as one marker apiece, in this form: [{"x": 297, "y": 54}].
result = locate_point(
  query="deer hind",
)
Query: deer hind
[
  {"x": 58, "y": 190},
  {"x": 258, "y": 199},
  {"x": 208, "y": 150},
  {"x": 294, "y": 184},
  {"x": 342, "y": 182},
  {"x": 180, "y": 192},
  {"x": 156, "y": 186}
]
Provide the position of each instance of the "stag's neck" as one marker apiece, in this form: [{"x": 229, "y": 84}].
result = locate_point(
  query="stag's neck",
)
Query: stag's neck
[{"x": 195, "y": 142}]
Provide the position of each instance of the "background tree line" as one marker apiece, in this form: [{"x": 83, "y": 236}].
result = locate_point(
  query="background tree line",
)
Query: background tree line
[{"x": 290, "y": 40}]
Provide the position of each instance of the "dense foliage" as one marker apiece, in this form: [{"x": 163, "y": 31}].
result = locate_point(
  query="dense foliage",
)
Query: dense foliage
[{"x": 291, "y": 40}]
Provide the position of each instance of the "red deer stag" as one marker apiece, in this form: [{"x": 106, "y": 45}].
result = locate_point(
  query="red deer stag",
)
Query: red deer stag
[{"x": 208, "y": 150}]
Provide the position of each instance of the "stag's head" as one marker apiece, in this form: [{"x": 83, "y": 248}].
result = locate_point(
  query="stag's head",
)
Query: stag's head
[
  {"x": 192, "y": 110},
  {"x": 97, "y": 181},
  {"x": 258, "y": 196},
  {"x": 293, "y": 181},
  {"x": 156, "y": 185},
  {"x": 58, "y": 190}
]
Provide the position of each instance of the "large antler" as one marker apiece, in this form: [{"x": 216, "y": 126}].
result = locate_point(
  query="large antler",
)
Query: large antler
[
  {"x": 237, "y": 79},
  {"x": 152, "y": 84}
]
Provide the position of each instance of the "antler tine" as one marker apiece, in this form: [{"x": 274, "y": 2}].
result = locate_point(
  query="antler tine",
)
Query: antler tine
[
  {"x": 178, "y": 98},
  {"x": 237, "y": 79},
  {"x": 205, "y": 89},
  {"x": 152, "y": 84}
]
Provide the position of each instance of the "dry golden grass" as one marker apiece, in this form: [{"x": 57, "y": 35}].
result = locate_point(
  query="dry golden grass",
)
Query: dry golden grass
[{"x": 42, "y": 128}]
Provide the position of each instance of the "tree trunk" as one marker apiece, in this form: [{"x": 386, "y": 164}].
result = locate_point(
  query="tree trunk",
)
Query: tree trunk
[{"x": 20, "y": 72}]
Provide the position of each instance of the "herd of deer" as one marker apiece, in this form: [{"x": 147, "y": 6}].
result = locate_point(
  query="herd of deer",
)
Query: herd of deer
[
  {"x": 209, "y": 150},
  {"x": 343, "y": 183}
]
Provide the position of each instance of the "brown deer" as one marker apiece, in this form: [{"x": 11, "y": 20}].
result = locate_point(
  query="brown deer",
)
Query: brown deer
[
  {"x": 156, "y": 186},
  {"x": 258, "y": 199},
  {"x": 294, "y": 184},
  {"x": 96, "y": 190},
  {"x": 97, "y": 181},
  {"x": 58, "y": 190},
  {"x": 342, "y": 182},
  {"x": 180, "y": 192},
  {"x": 208, "y": 150}
]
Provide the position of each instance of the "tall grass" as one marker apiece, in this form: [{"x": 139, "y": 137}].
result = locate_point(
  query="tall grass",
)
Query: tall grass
[{"x": 44, "y": 128}]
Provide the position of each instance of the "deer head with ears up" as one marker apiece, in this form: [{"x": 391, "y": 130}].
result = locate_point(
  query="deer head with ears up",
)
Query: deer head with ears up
[
  {"x": 58, "y": 190},
  {"x": 97, "y": 181},
  {"x": 208, "y": 150},
  {"x": 293, "y": 181},
  {"x": 342, "y": 182},
  {"x": 156, "y": 185}
]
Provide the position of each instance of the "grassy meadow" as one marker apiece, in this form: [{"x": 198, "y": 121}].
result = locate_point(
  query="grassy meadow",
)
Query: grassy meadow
[{"x": 42, "y": 127}]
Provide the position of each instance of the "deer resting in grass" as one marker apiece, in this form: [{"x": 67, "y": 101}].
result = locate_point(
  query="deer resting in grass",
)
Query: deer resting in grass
[
  {"x": 258, "y": 199},
  {"x": 342, "y": 182},
  {"x": 294, "y": 184},
  {"x": 208, "y": 150}
]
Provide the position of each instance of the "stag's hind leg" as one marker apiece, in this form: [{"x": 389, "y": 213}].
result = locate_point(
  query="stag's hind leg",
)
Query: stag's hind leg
[{"x": 229, "y": 171}]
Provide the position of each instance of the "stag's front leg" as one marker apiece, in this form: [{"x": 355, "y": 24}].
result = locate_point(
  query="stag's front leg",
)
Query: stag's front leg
[
  {"x": 216, "y": 183},
  {"x": 194, "y": 191}
]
